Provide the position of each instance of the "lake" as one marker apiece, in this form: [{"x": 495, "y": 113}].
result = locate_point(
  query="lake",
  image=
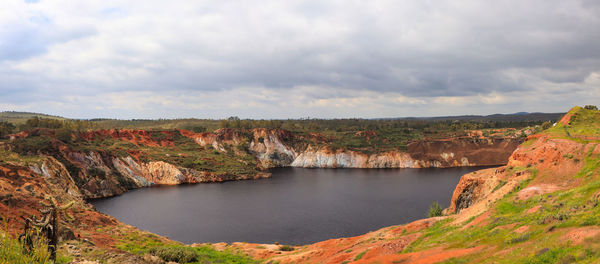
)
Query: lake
[{"x": 295, "y": 206}]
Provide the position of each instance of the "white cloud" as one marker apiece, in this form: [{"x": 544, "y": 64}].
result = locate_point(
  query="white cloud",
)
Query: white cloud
[{"x": 139, "y": 59}]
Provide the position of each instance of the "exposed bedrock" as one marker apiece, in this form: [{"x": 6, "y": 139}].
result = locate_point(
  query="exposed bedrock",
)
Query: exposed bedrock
[
  {"x": 555, "y": 161},
  {"x": 99, "y": 173},
  {"x": 422, "y": 154}
]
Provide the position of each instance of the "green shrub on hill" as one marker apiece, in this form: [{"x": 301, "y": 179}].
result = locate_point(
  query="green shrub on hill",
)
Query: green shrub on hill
[
  {"x": 175, "y": 254},
  {"x": 435, "y": 210},
  {"x": 12, "y": 251}
]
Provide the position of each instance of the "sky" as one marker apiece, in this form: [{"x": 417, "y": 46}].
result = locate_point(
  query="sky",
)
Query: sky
[{"x": 297, "y": 58}]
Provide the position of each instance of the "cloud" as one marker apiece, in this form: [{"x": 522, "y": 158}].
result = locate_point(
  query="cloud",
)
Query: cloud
[{"x": 296, "y": 58}]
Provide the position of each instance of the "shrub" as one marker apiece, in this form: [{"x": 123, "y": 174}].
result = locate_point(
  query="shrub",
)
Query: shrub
[
  {"x": 546, "y": 125},
  {"x": 500, "y": 184},
  {"x": 435, "y": 210},
  {"x": 360, "y": 255},
  {"x": 519, "y": 239},
  {"x": 33, "y": 145},
  {"x": 590, "y": 107},
  {"x": 286, "y": 248},
  {"x": 176, "y": 254},
  {"x": 6, "y": 128},
  {"x": 12, "y": 251},
  {"x": 198, "y": 129},
  {"x": 64, "y": 135}
]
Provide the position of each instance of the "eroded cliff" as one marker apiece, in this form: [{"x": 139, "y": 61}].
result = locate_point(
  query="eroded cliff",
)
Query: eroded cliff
[
  {"x": 542, "y": 207},
  {"x": 109, "y": 162}
]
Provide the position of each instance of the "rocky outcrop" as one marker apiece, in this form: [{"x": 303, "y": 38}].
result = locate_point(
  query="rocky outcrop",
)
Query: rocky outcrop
[
  {"x": 555, "y": 160},
  {"x": 327, "y": 158},
  {"x": 97, "y": 175},
  {"x": 422, "y": 154},
  {"x": 103, "y": 172},
  {"x": 272, "y": 148},
  {"x": 468, "y": 151},
  {"x": 217, "y": 139},
  {"x": 269, "y": 147}
]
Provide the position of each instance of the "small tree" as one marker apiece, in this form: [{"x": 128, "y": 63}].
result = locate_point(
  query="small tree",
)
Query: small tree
[
  {"x": 47, "y": 226},
  {"x": 6, "y": 128},
  {"x": 590, "y": 107},
  {"x": 64, "y": 135},
  {"x": 435, "y": 210},
  {"x": 546, "y": 125}
]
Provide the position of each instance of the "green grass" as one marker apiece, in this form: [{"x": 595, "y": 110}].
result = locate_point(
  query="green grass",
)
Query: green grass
[
  {"x": 360, "y": 255},
  {"x": 11, "y": 157},
  {"x": 435, "y": 210},
  {"x": 542, "y": 242},
  {"x": 140, "y": 244},
  {"x": 500, "y": 184},
  {"x": 11, "y": 251},
  {"x": 19, "y": 118},
  {"x": 583, "y": 124}
]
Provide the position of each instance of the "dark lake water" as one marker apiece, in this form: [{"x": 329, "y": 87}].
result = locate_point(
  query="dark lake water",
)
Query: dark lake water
[{"x": 296, "y": 206}]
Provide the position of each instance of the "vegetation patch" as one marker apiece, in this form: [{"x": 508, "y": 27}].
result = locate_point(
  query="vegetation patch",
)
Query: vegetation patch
[
  {"x": 435, "y": 210},
  {"x": 175, "y": 254},
  {"x": 144, "y": 243},
  {"x": 360, "y": 255},
  {"x": 12, "y": 251}
]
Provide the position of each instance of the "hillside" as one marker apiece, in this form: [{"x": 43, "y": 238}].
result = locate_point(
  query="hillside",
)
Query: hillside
[
  {"x": 542, "y": 207},
  {"x": 543, "y": 198},
  {"x": 19, "y": 118}
]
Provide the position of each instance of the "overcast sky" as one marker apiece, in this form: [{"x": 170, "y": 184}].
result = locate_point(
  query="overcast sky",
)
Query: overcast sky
[{"x": 296, "y": 58}]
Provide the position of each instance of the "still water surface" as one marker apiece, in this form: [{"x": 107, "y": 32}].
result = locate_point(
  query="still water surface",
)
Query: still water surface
[{"x": 295, "y": 206}]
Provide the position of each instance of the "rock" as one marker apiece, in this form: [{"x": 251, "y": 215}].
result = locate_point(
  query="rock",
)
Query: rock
[
  {"x": 542, "y": 251},
  {"x": 64, "y": 234},
  {"x": 151, "y": 259}
]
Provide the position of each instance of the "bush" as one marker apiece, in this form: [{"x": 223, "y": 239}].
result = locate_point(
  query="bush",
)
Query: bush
[
  {"x": 198, "y": 129},
  {"x": 286, "y": 248},
  {"x": 64, "y": 135},
  {"x": 175, "y": 254},
  {"x": 33, "y": 145},
  {"x": 590, "y": 107},
  {"x": 519, "y": 239},
  {"x": 435, "y": 210},
  {"x": 6, "y": 128},
  {"x": 12, "y": 251},
  {"x": 546, "y": 125}
]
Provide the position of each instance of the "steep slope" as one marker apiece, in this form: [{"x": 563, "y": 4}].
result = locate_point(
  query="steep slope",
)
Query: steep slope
[
  {"x": 90, "y": 235},
  {"x": 78, "y": 166},
  {"x": 542, "y": 207},
  {"x": 105, "y": 163}
]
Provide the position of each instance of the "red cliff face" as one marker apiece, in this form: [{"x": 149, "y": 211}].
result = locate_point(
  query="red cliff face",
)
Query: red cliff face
[
  {"x": 455, "y": 152},
  {"x": 135, "y": 136},
  {"x": 99, "y": 173},
  {"x": 217, "y": 138},
  {"x": 468, "y": 151},
  {"x": 555, "y": 161}
]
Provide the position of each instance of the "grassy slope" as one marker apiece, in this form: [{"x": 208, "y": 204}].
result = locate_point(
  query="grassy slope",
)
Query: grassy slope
[
  {"x": 560, "y": 212},
  {"x": 19, "y": 118},
  {"x": 144, "y": 243}
]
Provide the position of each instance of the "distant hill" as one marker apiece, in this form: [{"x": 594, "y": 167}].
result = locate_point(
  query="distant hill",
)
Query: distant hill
[
  {"x": 18, "y": 118},
  {"x": 520, "y": 116}
]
